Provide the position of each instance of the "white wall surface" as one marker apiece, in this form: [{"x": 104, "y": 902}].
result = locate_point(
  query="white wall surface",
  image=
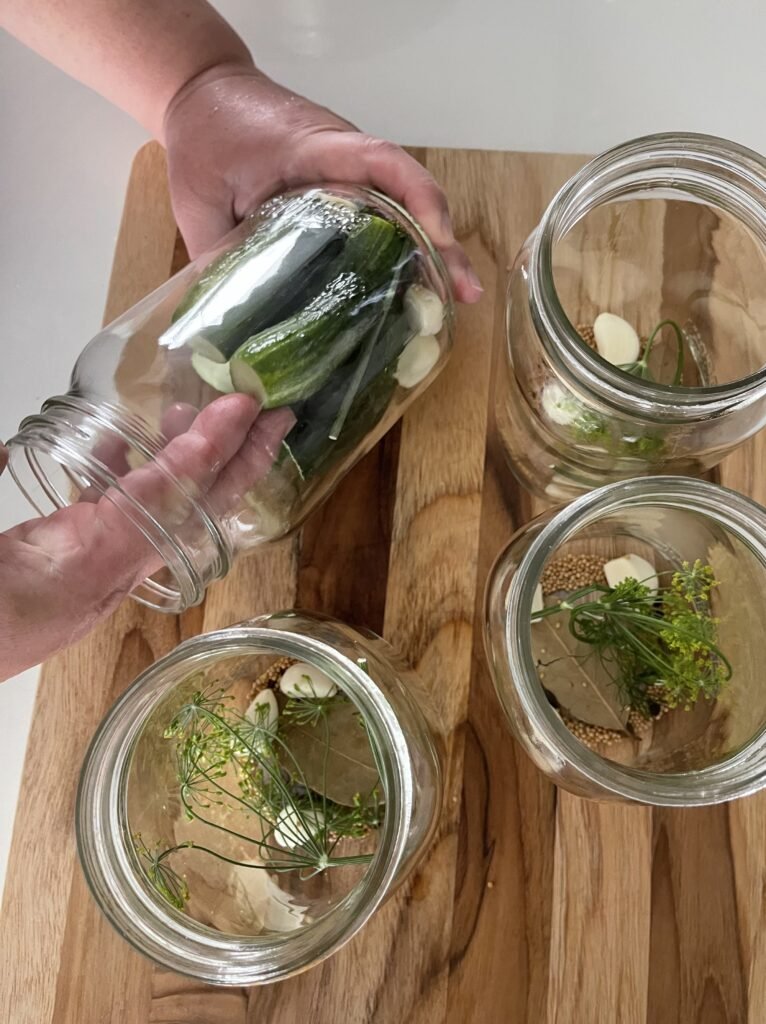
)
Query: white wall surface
[{"x": 574, "y": 75}]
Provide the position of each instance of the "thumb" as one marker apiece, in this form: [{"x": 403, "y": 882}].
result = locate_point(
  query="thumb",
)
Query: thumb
[{"x": 3, "y": 457}]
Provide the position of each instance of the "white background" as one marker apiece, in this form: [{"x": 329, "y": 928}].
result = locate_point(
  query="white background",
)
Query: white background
[{"x": 573, "y": 75}]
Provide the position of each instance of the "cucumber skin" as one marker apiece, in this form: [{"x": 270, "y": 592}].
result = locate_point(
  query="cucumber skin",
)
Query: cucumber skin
[
  {"x": 313, "y": 454},
  {"x": 266, "y": 302},
  {"x": 286, "y": 214},
  {"x": 308, "y": 444},
  {"x": 294, "y": 358},
  {"x": 313, "y": 214}
]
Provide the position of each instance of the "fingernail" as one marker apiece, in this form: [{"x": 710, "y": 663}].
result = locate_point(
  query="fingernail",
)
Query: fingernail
[
  {"x": 447, "y": 225},
  {"x": 473, "y": 280}
]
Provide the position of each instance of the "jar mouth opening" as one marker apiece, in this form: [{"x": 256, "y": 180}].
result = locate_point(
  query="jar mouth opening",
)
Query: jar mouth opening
[
  {"x": 738, "y": 774},
  {"x": 690, "y": 166},
  {"x": 54, "y": 470},
  {"x": 139, "y": 914}
]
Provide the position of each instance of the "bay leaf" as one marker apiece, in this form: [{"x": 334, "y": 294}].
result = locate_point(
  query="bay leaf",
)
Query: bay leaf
[
  {"x": 334, "y": 756},
  {"x": 575, "y": 676}
]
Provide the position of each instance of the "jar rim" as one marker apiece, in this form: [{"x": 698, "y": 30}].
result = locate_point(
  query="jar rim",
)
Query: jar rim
[
  {"x": 170, "y": 937},
  {"x": 41, "y": 437},
  {"x": 741, "y": 774},
  {"x": 733, "y": 174}
]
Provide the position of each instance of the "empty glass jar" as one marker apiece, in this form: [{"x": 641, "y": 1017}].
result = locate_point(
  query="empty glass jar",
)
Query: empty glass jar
[
  {"x": 654, "y": 694},
  {"x": 253, "y": 798},
  {"x": 668, "y": 234},
  {"x": 327, "y": 308}
]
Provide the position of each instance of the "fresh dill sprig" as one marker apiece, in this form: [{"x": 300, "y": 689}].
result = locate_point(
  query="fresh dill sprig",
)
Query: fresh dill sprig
[
  {"x": 640, "y": 368},
  {"x": 310, "y": 710},
  {"x": 664, "y": 643},
  {"x": 228, "y": 761}
]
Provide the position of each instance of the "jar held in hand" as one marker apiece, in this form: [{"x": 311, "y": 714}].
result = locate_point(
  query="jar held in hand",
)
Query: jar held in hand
[{"x": 225, "y": 406}]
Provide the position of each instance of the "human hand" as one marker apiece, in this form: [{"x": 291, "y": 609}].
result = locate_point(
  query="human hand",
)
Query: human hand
[
  {"x": 234, "y": 138},
  {"x": 64, "y": 573}
]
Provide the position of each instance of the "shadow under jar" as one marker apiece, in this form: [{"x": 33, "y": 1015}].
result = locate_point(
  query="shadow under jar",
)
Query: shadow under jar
[
  {"x": 636, "y": 327},
  {"x": 647, "y": 685},
  {"x": 256, "y": 795},
  {"x": 328, "y": 307}
]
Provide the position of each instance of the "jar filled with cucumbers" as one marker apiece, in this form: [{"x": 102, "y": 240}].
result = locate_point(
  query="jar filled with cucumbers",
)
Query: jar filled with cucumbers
[
  {"x": 255, "y": 796},
  {"x": 635, "y": 339},
  {"x": 621, "y": 633},
  {"x": 328, "y": 307}
]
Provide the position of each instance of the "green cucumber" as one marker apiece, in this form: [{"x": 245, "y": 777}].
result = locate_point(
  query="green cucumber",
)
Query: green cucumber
[
  {"x": 256, "y": 290},
  {"x": 312, "y": 211},
  {"x": 290, "y": 361},
  {"x": 293, "y": 359},
  {"x": 287, "y": 259},
  {"x": 309, "y": 444},
  {"x": 373, "y": 250}
]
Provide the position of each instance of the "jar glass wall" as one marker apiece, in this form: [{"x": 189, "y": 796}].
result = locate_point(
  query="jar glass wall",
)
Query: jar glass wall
[
  {"x": 668, "y": 234},
  {"x": 237, "y": 830},
  {"x": 328, "y": 308},
  {"x": 574, "y": 706}
]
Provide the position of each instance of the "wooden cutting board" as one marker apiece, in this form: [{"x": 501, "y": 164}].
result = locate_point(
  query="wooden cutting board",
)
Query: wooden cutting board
[{"x": 532, "y": 906}]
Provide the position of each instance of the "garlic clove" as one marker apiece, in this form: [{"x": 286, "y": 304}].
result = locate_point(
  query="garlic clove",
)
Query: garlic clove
[
  {"x": 292, "y": 829},
  {"x": 302, "y": 680},
  {"x": 418, "y": 358},
  {"x": 537, "y": 601},
  {"x": 424, "y": 309},
  {"x": 616, "y": 339},
  {"x": 634, "y": 567},
  {"x": 264, "y": 710},
  {"x": 558, "y": 405}
]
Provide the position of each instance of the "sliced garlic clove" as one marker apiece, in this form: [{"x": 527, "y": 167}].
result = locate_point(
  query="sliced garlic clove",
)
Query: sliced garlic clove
[
  {"x": 558, "y": 405},
  {"x": 424, "y": 309},
  {"x": 537, "y": 601},
  {"x": 264, "y": 710},
  {"x": 632, "y": 567},
  {"x": 418, "y": 358},
  {"x": 302, "y": 680},
  {"x": 292, "y": 829},
  {"x": 616, "y": 339}
]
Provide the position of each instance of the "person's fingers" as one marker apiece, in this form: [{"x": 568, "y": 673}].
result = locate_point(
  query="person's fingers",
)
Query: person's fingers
[
  {"x": 253, "y": 461},
  {"x": 177, "y": 419},
  {"x": 3, "y": 457},
  {"x": 351, "y": 156},
  {"x": 461, "y": 274},
  {"x": 194, "y": 458},
  {"x": 112, "y": 451}
]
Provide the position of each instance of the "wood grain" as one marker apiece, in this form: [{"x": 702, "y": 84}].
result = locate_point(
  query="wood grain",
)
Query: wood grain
[{"x": 532, "y": 906}]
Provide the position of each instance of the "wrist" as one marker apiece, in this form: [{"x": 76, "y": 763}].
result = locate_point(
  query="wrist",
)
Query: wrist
[{"x": 234, "y": 66}]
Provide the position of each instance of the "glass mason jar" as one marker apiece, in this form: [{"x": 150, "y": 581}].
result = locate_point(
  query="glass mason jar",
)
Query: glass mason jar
[
  {"x": 548, "y": 685},
  {"x": 329, "y": 306},
  {"x": 307, "y": 864},
  {"x": 668, "y": 234}
]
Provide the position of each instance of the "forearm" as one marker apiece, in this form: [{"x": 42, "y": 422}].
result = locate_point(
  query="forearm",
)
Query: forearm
[{"x": 135, "y": 53}]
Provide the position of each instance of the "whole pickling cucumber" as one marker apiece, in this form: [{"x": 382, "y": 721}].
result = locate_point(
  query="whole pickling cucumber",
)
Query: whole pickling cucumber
[
  {"x": 293, "y": 359},
  {"x": 250, "y": 294},
  {"x": 279, "y": 267}
]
